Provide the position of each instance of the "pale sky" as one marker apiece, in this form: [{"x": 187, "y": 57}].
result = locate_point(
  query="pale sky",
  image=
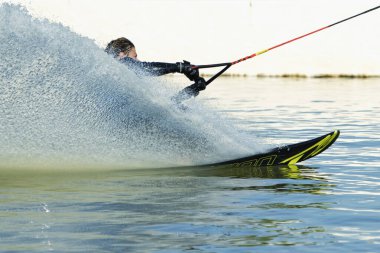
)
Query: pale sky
[{"x": 212, "y": 31}]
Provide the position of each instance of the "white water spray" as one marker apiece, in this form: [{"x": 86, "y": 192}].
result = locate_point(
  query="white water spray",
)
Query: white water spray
[{"x": 64, "y": 102}]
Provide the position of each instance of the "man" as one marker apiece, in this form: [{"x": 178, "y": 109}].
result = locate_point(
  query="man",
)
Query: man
[{"x": 124, "y": 50}]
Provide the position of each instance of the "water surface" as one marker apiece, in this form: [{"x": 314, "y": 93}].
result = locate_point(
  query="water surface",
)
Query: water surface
[{"x": 329, "y": 203}]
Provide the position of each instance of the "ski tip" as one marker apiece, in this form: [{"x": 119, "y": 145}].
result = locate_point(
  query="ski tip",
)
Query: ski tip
[
  {"x": 309, "y": 149},
  {"x": 335, "y": 135},
  {"x": 327, "y": 141}
]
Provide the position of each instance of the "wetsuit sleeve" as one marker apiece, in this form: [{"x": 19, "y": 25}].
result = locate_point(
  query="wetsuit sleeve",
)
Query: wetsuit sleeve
[{"x": 150, "y": 68}]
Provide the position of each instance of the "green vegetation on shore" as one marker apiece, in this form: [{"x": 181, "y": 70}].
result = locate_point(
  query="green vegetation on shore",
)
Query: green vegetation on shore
[{"x": 299, "y": 76}]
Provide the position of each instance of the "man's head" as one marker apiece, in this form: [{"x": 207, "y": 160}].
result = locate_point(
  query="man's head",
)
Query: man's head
[{"x": 120, "y": 48}]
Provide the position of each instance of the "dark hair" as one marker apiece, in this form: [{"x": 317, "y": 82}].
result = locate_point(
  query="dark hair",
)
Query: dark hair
[{"x": 115, "y": 47}]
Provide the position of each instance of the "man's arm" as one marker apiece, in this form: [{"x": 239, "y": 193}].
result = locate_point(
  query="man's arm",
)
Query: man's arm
[{"x": 161, "y": 68}]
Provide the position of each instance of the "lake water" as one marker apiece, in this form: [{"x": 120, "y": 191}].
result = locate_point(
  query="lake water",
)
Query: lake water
[{"x": 329, "y": 203}]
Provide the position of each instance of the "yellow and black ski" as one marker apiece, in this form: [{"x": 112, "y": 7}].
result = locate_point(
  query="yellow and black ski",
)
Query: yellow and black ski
[{"x": 289, "y": 154}]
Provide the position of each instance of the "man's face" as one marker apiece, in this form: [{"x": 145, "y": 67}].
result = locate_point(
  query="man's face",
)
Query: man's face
[{"x": 131, "y": 54}]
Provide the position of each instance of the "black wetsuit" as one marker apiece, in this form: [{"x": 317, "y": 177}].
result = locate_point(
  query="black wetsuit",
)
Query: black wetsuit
[
  {"x": 162, "y": 68},
  {"x": 150, "y": 68}
]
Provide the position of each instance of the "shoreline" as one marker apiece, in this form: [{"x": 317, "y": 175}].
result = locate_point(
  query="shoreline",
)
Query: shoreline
[{"x": 300, "y": 76}]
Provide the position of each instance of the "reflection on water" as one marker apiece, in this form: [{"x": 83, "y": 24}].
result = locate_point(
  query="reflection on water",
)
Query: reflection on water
[
  {"x": 289, "y": 188},
  {"x": 283, "y": 171},
  {"x": 46, "y": 178},
  {"x": 193, "y": 207}
]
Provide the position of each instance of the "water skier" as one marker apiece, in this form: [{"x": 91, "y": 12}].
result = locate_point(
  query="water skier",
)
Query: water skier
[{"x": 124, "y": 50}]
